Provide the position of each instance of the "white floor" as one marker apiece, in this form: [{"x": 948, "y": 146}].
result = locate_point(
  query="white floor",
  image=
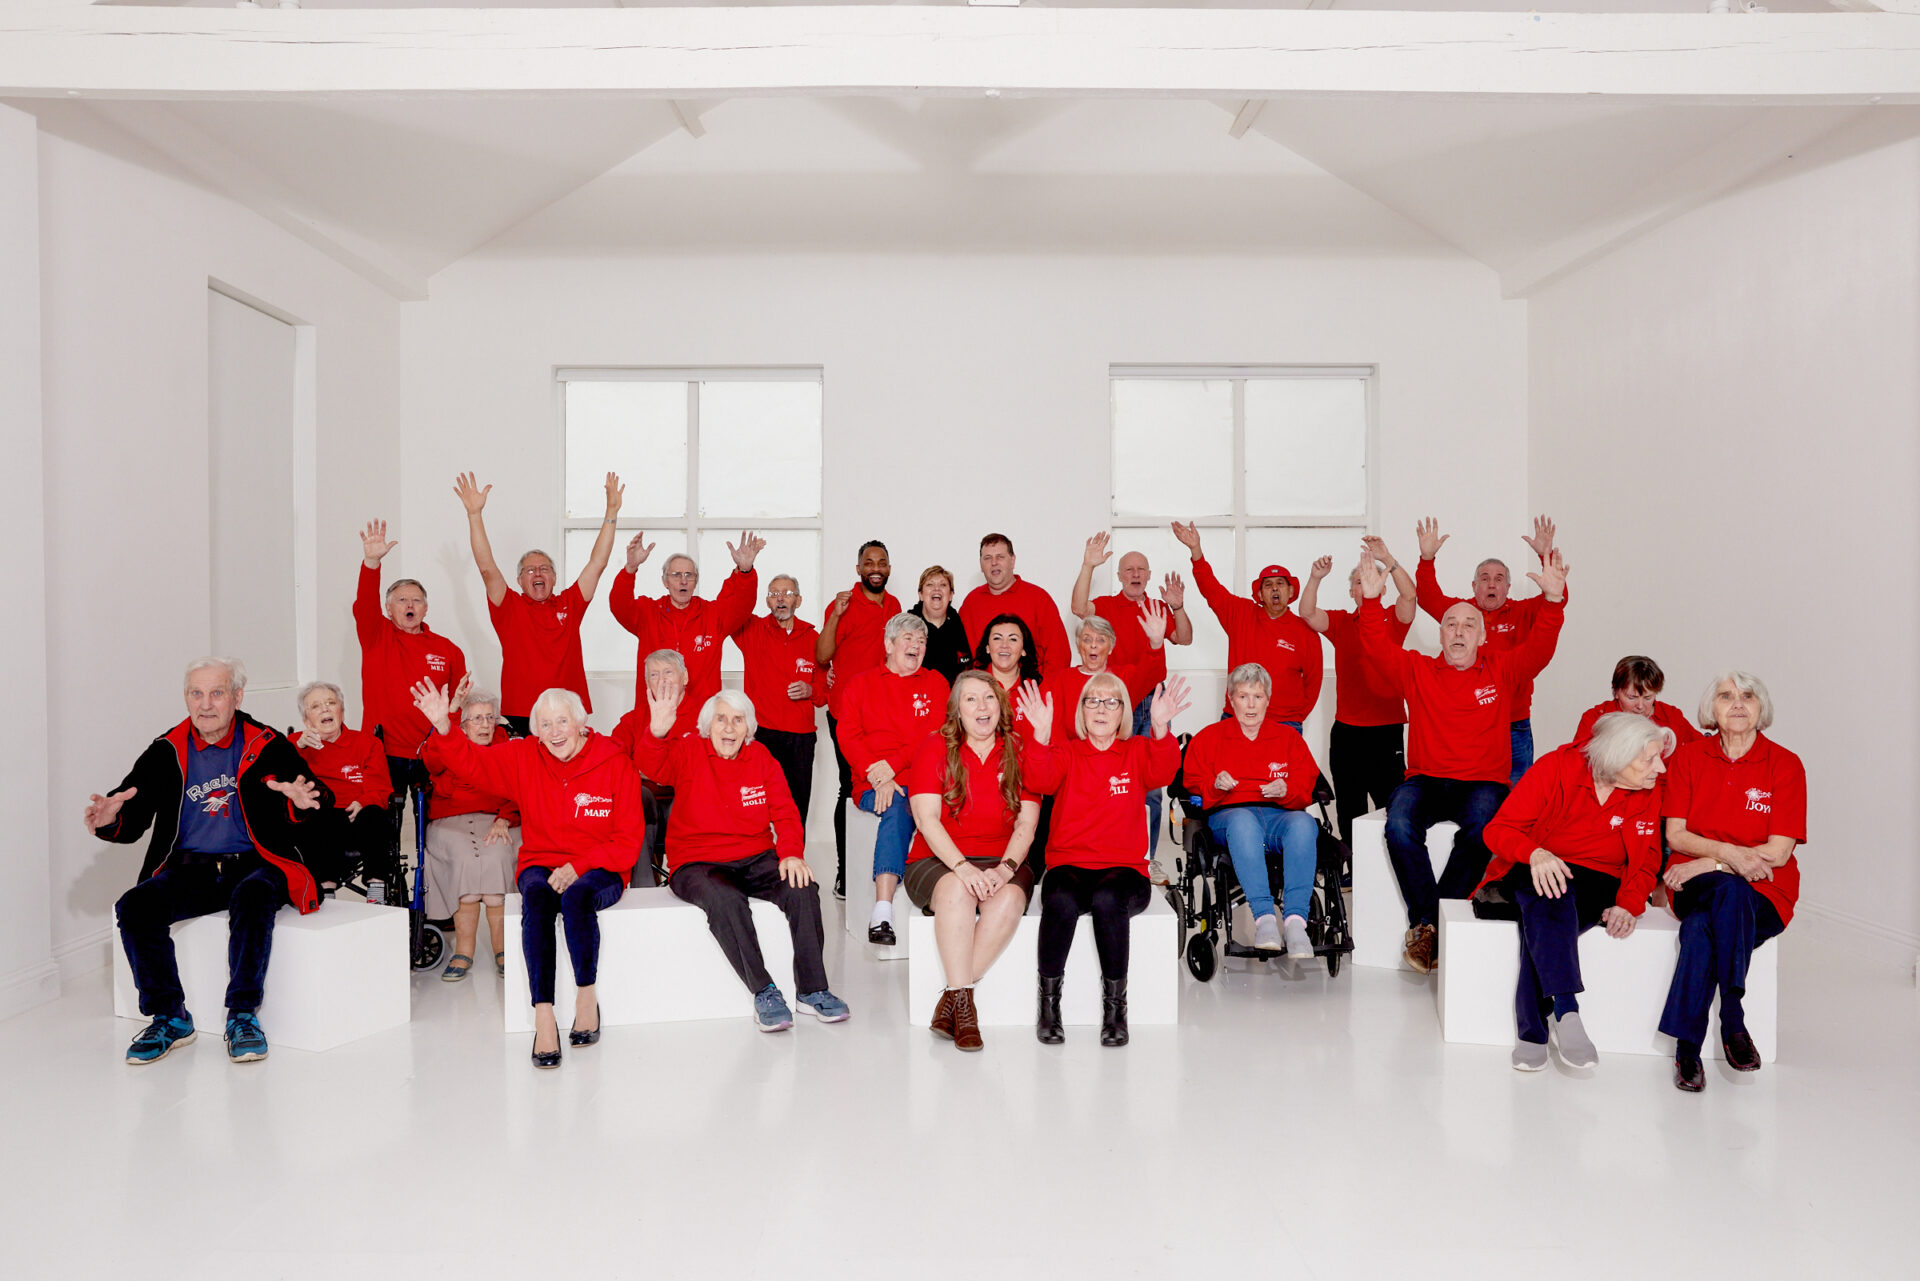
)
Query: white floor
[{"x": 1289, "y": 1127}]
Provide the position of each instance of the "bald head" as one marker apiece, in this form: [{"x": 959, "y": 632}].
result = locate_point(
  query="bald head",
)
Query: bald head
[
  {"x": 1134, "y": 576},
  {"x": 1462, "y": 629}
]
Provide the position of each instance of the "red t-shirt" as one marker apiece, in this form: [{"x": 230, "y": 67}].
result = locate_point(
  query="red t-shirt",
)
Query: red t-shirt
[
  {"x": 983, "y": 827},
  {"x": 1554, "y": 809},
  {"x": 353, "y": 765},
  {"x": 1278, "y": 753},
  {"x": 392, "y": 662},
  {"x": 584, "y": 811},
  {"x": 1507, "y": 627},
  {"x": 695, "y": 633},
  {"x": 539, "y": 648},
  {"x": 860, "y": 642},
  {"x": 451, "y": 795},
  {"x": 1285, "y": 646},
  {"x": 1130, "y": 647},
  {"x": 1034, "y": 607},
  {"x": 1665, "y": 715},
  {"x": 1100, "y": 797},
  {"x": 1362, "y": 695},
  {"x": 1745, "y": 802},
  {"x": 1068, "y": 684},
  {"x": 1459, "y": 722},
  {"x": 723, "y": 810},
  {"x": 884, "y": 716},
  {"x": 776, "y": 658}
]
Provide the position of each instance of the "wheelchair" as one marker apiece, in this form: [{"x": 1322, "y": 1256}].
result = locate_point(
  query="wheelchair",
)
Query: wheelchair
[{"x": 1208, "y": 891}]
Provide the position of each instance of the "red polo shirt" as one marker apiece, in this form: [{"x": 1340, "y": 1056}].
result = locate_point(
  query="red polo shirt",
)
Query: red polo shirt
[
  {"x": 1745, "y": 802},
  {"x": 539, "y": 648},
  {"x": 1034, "y": 607},
  {"x": 694, "y": 633},
  {"x": 1507, "y": 627},
  {"x": 1362, "y": 693},
  {"x": 1665, "y": 715},
  {"x": 1285, "y": 646},
  {"x": 723, "y": 810},
  {"x": 1555, "y": 809},
  {"x": 982, "y": 827},
  {"x": 1278, "y": 753},
  {"x": 1130, "y": 647},
  {"x": 860, "y": 642},
  {"x": 1100, "y": 797},
  {"x": 392, "y": 662},
  {"x": 776, "y": 658},
  {"x": 884, "y": 717}
]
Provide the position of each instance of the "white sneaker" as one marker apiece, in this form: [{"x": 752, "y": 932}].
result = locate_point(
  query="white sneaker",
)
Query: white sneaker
[
  {"x": 1299, "y": 946},
  {"x": 1266, "y": 933},
  {"x": 1157, "y": 873}
]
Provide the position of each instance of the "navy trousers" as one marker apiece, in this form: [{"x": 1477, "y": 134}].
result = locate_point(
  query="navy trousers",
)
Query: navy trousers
[
  {"x": 1722, "y": 919},
  {"x": 1550, "y": 930},
  {"x": 578, "y": 908},
  {"x": 1417, "y": 805},
  {"x": 249, "y": 888}
]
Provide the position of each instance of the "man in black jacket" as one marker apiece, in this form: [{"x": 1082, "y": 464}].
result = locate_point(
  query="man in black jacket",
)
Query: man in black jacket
[{"x": 222, "y": 793}]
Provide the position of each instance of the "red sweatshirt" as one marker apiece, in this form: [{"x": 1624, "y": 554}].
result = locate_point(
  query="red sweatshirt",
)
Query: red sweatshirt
[
  {"x": 1279, "y": 753},
  {"x": 982, "y": 827},
  {"x": 452, "y": 795},
  {"x": 1665, "y": 715},
  {"x": 1745, "y": 802},
  {"x": 1285, "y": 646},
  {"x": 1130, "y": 648},
  {"x": 723, "y": 810},
  {"x": 354, "y": 765},
  {"x": 1069, "y": 683},
  {"x": 860, "y": 642},
  {"x": 392, "y": 662},
  {"x": 1460, "y": 721},
  {"x": 1034, "y": 607},
  {"x": 1554, "y": 809},
  {"x": 694, "y": 633},
  {"x": 1100, "y": 797},
  {"x": 884, "y": 717},
  {"x": 584, "y": 811},
  {"x": 1507, "y": 627},
  {"x": 775, "y": 659},
  {"x": 1362, "y": 694},
  {"x": 539, "y": 648}
]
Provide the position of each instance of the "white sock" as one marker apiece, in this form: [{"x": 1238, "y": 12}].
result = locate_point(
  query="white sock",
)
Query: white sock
[{"x": 882, "y": 911}]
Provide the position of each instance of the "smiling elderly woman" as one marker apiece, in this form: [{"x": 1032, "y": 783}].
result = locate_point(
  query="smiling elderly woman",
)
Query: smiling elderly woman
[
  {"x": 353, "y": 834},
  {"x": 1577, "y": 844},
  {"x": 580, "y": 801},
  {"x": 473, "y": 839},
  {"x": 736, "y": 834}
]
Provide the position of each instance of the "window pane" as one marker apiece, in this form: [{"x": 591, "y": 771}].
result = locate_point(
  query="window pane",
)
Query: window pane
[
  {"x": 607, "y": 646},
  {"x": 1297, "y": 549},
  {"x": 760, "y": 449},
  {"x": 1172, "y": 447},
  {"x": 1165, "y": 554},
  {"x": 1306, "y": 446},
  {"x": 638, "y": 429},
  {"x": 788, "y": 551}
]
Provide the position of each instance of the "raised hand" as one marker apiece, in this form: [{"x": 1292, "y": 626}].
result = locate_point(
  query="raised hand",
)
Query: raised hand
[
  {"x": 102, "y": 810},
  {"x": 1038, "y": 709},
  {"x": 460, "y": 690},
  {"x": 840, "y": 602},
  {"x": 1552, "y": 578},
  {"x": 1542, "y": 540},
  {"x": 663, "y": 703},
  {"x": 1168, "y": 702},
  {"x": 616, "y": 493},
  {"x": 303, "y": 794},
  {"x": 1097, "y": 552},
  {"x": 1373, "y": 579},
  {"x": 433, "y": 703},
  {"x": 1173, "y": 590},
  {"x": 1376, "y": 547},
  {"x": 638, "y": 549},
  {"x": 1430, "y": 537},
  {"x": 472, "y": 496},
  {"x": 1189, "y": 538},
  {"x": 1154, "y": 621},
  {"x": 1322, "y": 566},
  {"x": 750, "y": 547},
  {"x": 374, "y": 544}
]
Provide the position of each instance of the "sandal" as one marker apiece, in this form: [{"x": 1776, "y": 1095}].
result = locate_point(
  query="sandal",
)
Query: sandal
[
  {"x": 500, "y": 963},
  {"x": 456, "y": 971}
]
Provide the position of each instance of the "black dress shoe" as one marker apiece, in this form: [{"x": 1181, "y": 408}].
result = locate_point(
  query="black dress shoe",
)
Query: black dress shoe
[
  {"x": 1048, "y": 1026},
  {"x": 1742, "y": 1055},
  {"x": 1689, "y": 1073},
  {"x": 881, "y": 932},
  {"x": 547, "y": 1058},
  {"x": 576, "y": 1037}
]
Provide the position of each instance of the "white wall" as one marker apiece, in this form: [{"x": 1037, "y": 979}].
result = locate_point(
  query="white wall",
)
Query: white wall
[
  {"x": 1733, "y": 400},
  {"x": 127, "y": 252}
]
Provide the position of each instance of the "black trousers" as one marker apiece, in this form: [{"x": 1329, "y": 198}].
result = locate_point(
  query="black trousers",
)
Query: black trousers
[
  {"x": 846, "y": 794},
  {"x": 1550, "y": 930},
  {"x": 721, "y": 890},
  {"x": 250, "y": 889},
  {"x": 795, "y": 754},
  {"x": 1364, "y": 763},
  {"x": 656, "y": 801},
  {"x": 336, "y": 846},
  {"x": 1111, "y": 895}
]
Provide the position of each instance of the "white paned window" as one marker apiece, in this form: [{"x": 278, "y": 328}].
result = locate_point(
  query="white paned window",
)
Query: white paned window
[
  {"x": 705, "y": 455},
  {"x": 1272, "y": 463}
]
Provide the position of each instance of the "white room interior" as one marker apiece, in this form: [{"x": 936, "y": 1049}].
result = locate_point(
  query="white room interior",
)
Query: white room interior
[{"x": 1685, "y": 326}]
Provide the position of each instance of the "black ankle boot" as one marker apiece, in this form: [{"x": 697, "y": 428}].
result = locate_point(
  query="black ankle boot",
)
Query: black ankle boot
[
  {"x": 1047, "y": 1027},
  {"x": 1113, "y": 1011}
]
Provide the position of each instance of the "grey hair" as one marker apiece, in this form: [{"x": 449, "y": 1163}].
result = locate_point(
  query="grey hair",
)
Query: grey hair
[
  {"x": 478, "y": 697},
  {"x": 1250, "y": 674},
  {"x": 236, "y": 671},
  {"x": 666, "y": 566},
  {"x": 671, "y": 657},
  {"x": 783, "y": 577},
  {"x": 398, "y": 583},
  {"x": 902, "y": 623},
  {"x": 1107, "y": 681},
  {"x": 300, "y": 696},
  {"x": 1098, "y": 626},
  {"x": 1492, "y": 560},
  {"x": 738, "y": 702},
  {"x": 556, "y": 697},
  {"x": 1747, "y": 683},
  {"x": 521, "y": 568},
  {"x": 1618, "y": 739}
]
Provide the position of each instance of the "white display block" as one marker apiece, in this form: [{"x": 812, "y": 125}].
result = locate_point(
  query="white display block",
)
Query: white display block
[
  {"x": 659, "y": 963},
  {"x": 1379, "y": 914},
  {"x": 335, "y": 975},
  {"x": 862, "y": 828},
  {"x": 1625, "y": 979},
  {"x": 1008, "y": 994}
]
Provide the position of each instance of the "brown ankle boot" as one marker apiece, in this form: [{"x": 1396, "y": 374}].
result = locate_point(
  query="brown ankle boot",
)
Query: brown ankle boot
[
  {"x": 966, "y": 1021},
  {"x": 942, "y": 1024}
]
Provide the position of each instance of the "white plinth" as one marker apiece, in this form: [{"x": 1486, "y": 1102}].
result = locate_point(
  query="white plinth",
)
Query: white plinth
[
  {"x": 1379, "y": 913},
  {"x": 1007, "y": 995},
  {"x": 1626, "y": 984},
  {"x": 334, "y": 975},
  {"x": 862, "y": 828},
  {"x": 658, "y": 964}
]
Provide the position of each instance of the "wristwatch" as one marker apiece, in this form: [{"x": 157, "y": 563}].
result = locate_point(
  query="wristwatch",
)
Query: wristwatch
[{"x": 1010, "y": 865}]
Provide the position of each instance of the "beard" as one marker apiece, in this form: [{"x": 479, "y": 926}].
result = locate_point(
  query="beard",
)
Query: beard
[{"x": 875, "y": 582}]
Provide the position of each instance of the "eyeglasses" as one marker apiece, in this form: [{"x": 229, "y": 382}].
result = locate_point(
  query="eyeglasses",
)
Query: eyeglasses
[
  {"x": 480, "y": 720},
  {"x": 1100, "y": 704}
]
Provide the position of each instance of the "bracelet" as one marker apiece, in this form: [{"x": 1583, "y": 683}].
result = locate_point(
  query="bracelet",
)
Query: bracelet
[{"x": 1010, "y": 865}]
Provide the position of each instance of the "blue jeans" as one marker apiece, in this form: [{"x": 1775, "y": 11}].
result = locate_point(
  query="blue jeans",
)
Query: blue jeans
[
  {"x": 1250, "y": 831},
  {"x": 578, "y": 907},
  {"x": 1143, "y": 724},
  {"x": 249, "y": 888},
  {"x": 895, "y": 834},
  {"x": 1722, "y": 919},
  {"x": 1417, "y": 805},
  {"x": 1522, "y": 732}
]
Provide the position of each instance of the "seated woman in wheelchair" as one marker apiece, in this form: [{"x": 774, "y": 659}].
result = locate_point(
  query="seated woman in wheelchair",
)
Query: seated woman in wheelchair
[
  {"x": 354, "y": 835},
  {"x": 1254, "y": 778},
  {"x": 1097, "y": 861}
]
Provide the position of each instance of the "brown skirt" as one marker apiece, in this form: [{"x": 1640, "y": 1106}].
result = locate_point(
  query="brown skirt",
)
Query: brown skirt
[
  {"x": 924, "y": 874},
  {"x": 461, "y": 869}
]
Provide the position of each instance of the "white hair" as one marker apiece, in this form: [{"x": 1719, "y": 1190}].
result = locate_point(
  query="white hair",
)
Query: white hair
[
  {"x": 900, "y": 624},
  {"x": 738, "y": 702},
  {"x": 1747, "y": 683},
  {"x": 557, "y": 699},
  {"x": 1098, "y": 626},
  {"x": 300, "y": 698},
  {"x": 671, "y": 657},
  {"x": 666, "y": 566},
  {"x": 1113, "y": 685},
  {"x": 1618, "y": 739},
  {"x": 519, "y": 569},
  {"x": 1250, "y": 674},
  {"x": 236, "y": 672},
  {"x": 477, "y": 697},
  {"x": 789, "y": 578}
]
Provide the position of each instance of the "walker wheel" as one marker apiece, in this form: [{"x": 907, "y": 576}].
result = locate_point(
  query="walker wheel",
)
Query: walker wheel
[{"x": 1200, "y": 957}]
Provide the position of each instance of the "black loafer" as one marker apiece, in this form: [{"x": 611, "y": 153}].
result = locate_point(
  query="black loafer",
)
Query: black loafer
[
  {"x": 1742, "y": 1054},
  {"x": 881, "y": 932},
  {"x": 1689, "y": 1074},
  {"x": 546, "y": 1058}
]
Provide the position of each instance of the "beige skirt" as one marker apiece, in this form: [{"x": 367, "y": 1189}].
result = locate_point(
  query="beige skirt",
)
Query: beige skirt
[{"x": 460, "y": 869}]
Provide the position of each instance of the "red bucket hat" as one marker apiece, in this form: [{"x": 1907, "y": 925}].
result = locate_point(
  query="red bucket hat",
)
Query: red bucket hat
[{"x": 1274, "y": 571}]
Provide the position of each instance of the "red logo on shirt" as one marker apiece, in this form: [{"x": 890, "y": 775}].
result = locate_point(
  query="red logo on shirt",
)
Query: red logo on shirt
[
  {"x": 585, "y": 803},
  {"x": 802, "y": 666},
  {"x": 752, "y": 795},
  {"x": 701, "y": 643},
  {"x": 1487, "y": 694},
  {"x": 1119, "y": 784},
  {"x": 922, "y": 705},
  {"x": 437, "y": 662},
  {"x": 1759, "y": 800},
  {"x": 559, "y": 615},
  {"x": 1277, "y": 771},
  {"x": 1281, "y": 641},
  {"x": 351, "y": 773},
  {"x": 1617, "y": 821}
]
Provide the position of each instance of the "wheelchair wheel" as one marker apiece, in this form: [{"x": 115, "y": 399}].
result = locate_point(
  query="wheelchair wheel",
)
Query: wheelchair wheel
[
  {"x": 429, "y": 947},
  {"x": 1200, "y": 957},
  {"x": 1333, "y": 965}
]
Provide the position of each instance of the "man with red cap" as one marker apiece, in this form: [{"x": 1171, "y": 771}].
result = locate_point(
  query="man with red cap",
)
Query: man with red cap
[{"x": 1264, "y": 630}]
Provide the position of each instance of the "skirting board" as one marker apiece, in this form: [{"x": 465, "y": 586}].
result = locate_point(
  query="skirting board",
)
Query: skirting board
[
  {"x": 84, "y": 955},
  {"x": 28, "y": 986},
  {"x": 1882, "y": 944}
]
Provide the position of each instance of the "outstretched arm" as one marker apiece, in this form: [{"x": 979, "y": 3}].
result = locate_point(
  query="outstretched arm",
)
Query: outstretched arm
[
  {"x": 1310, "y": 612},
  {"x": 1427, "y": 585},
  {"x": 603, "y": 544},
  {"x": 1097, "y": 554},
  {"x": 829, "y": 638},
  {"x": 474, "y": 498},
  {"x": 1532, "y": 657},
  {"x": 1405, "y": 603}
]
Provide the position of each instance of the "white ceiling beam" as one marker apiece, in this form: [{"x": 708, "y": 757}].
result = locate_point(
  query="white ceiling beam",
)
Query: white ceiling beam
[
  {"x": 50, "y": 48},
  {"x": 1243, "y": 119},
  {"x": 688, "y": 116}
]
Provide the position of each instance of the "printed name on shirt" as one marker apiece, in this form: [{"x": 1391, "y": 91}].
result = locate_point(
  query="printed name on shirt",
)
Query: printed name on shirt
[
  {"x": 1643, "y": 827},
  {"x": 802, "y": 666},
  {"x": 352, "y": 773},
  {"x": 584, "y": 804},
  {"x": 1119, "y": 784},
  {"x": 1487, "y": 694},
  {"x": 1760, "y": 800},
  {"x": 438, "y": 662},
  {"x": 1277, "y": 771},
  {"x": 753, "y": 795}
]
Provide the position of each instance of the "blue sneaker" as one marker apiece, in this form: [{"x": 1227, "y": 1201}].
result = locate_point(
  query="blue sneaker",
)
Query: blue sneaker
[
  {"x": 158, "y": 1038},
  {"x": 825, "y": 1006},
  {"x": 770, "y": 1012},
  {"x": 246, "y": 1043}
]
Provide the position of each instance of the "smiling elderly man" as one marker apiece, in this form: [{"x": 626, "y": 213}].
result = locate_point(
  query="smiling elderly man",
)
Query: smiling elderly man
[
  {"x": 223, "y": 795},
  {"x": 690, "y": 625}
]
